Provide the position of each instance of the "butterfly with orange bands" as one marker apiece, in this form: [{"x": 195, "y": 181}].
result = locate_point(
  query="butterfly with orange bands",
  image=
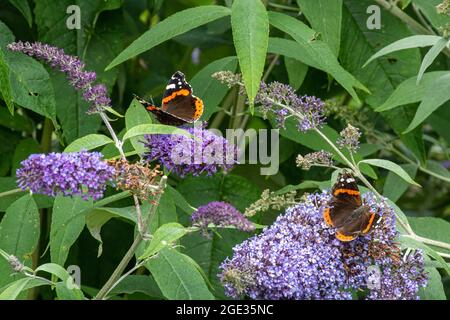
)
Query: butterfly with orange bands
[
  {"x": 345, "y": 211},
  {"x": 179, "y": 105}
]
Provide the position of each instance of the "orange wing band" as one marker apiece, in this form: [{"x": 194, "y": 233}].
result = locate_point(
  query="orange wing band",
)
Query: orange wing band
[
  {"x": 327, "y": 217},
  {"x": 369, "y": 225},
  {"x": 348, "y": 191},
  {"x": 198, "y": 108},
  {"x": 342, "y": 237},
  {"x": 151, "y": 108},
  {"x": 182, "y": 92}
]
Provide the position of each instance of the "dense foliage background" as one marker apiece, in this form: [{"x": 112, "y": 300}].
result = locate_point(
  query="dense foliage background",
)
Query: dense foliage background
[{"x": 318, "y": 47}]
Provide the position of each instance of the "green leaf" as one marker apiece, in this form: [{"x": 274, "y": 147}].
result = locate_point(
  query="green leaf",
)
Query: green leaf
[
  {"x": 325, "y": 17},
  {"x": 144, "y": 129},
  {"x": 165, "y": 213},
  {"x": 438, "y": 169},
  {"x": 296, "y": 71},
  {"x": 406, "y": 43},
  {"x": 65, "y": 289},
  {"x": 209, "y": 89},
  {"x": 63, "y": 292},
  {"x": 383, "y": 75},
  {"x": 170, "y": 27},
  {"x": 54, "y": 269},
  {"x": 179, "y": 200},
  {"x": 16, "y": 122},
  {"x": 433, "y": 228},
  {"x": 434, "y": 289},
  {"x": 19, "y": 230},
  {"x": 96, "y": 219},
  {"x": 68, "y": 220},
  {"x": 163, "y": 237},
  {"x": 24, "y": 8},
  {"x": 250, "y": 26},
  {"x": 436, "y": 95},
  {"x": 138, "y": 283},
  {"x": 315, "y": 53},
  {"x": 431, "y": 56},
  {"x": 440, "y": 121},
  {"x": 136, "y": 115},
  {"x": 395, "y": 187},
  {"x": 23, "y": 150},
  {"x": 234, "y": 189},
  {"x": 177, "y": 276},
  {"x": 5, "y": 85},
  {"x": 14, "y": 289},
  {"x": 391, "y": 166},
  {"x": 308, "y": 184},
  {"x": 409, "y": 91},
  {"x": 89, "y": 142},
  {"x": 10, "y": 183},
  {"x": 210, "y": 253}
]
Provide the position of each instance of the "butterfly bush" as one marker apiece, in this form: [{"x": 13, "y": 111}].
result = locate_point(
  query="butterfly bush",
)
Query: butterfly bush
[
  {"x": 281, "y": 100},
  {"x": 207, "y": 153},
  {"x": 79, "y": 78},
  {"x": 220, "y": 214},
  {"x": 71, "y": 174},
  {"x": 299, "y": 257}
]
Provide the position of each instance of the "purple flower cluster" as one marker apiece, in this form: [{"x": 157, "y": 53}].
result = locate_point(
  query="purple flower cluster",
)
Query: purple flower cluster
[
  {"x": 221, "y": 214},
  {"x": 299, "y": 257},
  {"x": 207, "y": 153},
  {"x": 71, "y": 174},
  {"x": 74, "y": 68},
  {"x": 282, "y": 100}
]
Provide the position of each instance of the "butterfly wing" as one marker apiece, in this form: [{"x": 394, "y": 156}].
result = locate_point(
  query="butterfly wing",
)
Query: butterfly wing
[
  {"x": 179, "y": 101},
  {"x": 360, "y": 221},
  {"x": 162, "y": 116},
  {"x": 346, "y": 198}
]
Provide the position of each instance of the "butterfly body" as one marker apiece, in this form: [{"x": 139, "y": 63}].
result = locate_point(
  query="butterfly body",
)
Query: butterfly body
[
  {"x": 179, "y": 106},
  {"x": 345, "y": 211}
]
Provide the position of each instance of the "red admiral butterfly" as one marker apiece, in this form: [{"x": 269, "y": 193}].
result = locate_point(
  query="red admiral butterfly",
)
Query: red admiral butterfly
[
  {"x": 346, "y": 211},
  {"x": 179, "y": 105}
]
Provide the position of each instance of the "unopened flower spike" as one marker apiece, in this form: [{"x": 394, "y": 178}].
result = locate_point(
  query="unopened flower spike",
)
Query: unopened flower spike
[
  {"x": 349, "y": 138},
  {"x": 319, "y": 158},
  {"x": 281, "y": 100},
  {"x": 220, "y": 214},
  {"x": 444, "y": 7},
  {"x": 79, "y": 78},
  {"x": 271, "y": 200}
]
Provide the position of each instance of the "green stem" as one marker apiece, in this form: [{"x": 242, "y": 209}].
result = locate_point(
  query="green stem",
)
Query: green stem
[
  {"x": 10, "y": 192},
  {"x": 46, "y": 139},
  {"x": 283, "y": 7},
  {"x": 131, "y": 251},
  {"x": 424, "y": 170}
]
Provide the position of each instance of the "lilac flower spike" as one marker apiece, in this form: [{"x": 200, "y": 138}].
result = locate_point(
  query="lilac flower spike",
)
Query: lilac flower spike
[
  {"x": 220, "y": 214},
  {"x": 71, "y": 174},
  {"x": 298, "y": 257},
  {"x": 183, "y": 156},
  {"x": 308, "y": 110},
  {"x": 74, "y": 68}
]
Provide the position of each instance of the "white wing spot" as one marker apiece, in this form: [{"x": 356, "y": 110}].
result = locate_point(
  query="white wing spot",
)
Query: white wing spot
[{"x": 170, "y": 86}]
